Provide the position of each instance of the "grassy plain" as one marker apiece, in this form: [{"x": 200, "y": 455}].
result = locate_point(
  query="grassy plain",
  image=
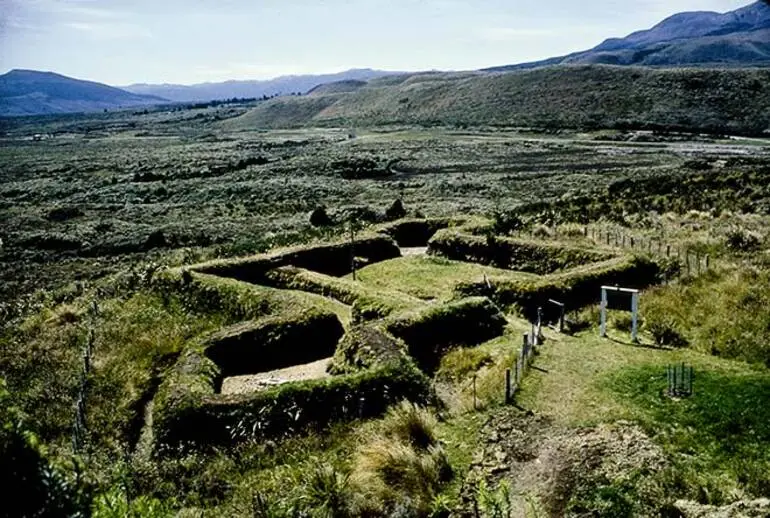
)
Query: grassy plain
[{"x": 111, "y": 191}]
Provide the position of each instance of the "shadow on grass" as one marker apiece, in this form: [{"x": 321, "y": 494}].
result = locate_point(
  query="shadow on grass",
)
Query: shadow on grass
[{"x": 639, "y": 344}]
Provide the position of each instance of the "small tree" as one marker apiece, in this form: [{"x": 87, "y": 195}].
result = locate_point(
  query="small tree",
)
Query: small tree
[
  {"x": 395, "y": 211},
  {"x": 319, "y": 217}
]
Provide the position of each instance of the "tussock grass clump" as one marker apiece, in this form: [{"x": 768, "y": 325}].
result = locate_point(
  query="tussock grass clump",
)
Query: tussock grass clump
[
  {"x": 411, "y": 424},
  {"x": 401, "y": 466},
  {"x": 328, "y": 492},
  {"x": 461, "y": 362},
  {"x": 476, "y": 375}
]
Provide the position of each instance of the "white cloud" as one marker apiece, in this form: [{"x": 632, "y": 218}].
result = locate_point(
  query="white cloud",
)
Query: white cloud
[{"x": 110, "y": 30}]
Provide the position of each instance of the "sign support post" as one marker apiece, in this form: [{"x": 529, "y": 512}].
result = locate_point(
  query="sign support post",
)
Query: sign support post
[{"x": 634, "y": 310}]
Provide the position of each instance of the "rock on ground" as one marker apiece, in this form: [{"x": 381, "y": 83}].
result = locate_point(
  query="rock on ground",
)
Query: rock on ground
[{"x": 743, "y": 509}]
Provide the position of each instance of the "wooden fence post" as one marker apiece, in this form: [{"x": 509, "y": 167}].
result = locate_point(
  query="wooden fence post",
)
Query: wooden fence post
[{"x": 507, "y": 386}]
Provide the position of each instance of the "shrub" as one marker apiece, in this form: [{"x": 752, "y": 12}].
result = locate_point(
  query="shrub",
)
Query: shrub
[
  {"x": 623, "y": 321},
  {"x": 64, "y": 213},
  {"x": 319, "y": 217},
  {"x": 670, "y": 268},
  {"x": 33, "y": 485},
  {"x": 395, "y": 211},
  {"x": 572, "y": 230},
  {"x": 358, "y": 168},
  {"x": 156, "y": 239},
  {"x": 741, "y": 240},
  {"x": 360, "y": 215},
  {"x": 665, "y": 331},
  {"x": 506, "y": 222},
  {"x": 116, "y": 504},
  {"x": 541, "y": 231}
]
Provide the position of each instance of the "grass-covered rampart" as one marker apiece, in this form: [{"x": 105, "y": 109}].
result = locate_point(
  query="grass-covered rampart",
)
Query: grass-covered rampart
[{"x": 530, "y": 256}]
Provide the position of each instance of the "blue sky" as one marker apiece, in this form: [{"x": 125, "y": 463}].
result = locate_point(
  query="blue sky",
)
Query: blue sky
[{"x": 189, "y": 41}]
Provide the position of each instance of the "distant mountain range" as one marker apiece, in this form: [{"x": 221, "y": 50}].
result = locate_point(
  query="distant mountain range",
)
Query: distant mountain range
[
  {"x": 28, "y": 92},
  {"x": 247, "y": 89},
  {"x": 702, "y": 39},
  {"x": 737, "y": 38}
]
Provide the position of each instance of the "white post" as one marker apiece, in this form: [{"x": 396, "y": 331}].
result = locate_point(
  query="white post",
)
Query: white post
[
  {"x": 635, "y": 317},
  {"x": 603, "y": 329}
]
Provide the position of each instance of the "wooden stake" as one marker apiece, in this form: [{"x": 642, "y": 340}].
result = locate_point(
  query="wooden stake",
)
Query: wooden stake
[{"x": 507, "y": 386}]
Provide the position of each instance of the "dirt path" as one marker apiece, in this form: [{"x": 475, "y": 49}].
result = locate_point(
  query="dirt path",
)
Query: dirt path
[
  {"x": 545, "y": 463},
  {"x": 414, "y": 251},
  {"x": 264, "y": 380}
]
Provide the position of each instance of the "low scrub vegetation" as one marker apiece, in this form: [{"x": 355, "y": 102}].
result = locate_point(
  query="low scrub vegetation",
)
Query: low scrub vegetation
[{"x": 723, "y": 313}]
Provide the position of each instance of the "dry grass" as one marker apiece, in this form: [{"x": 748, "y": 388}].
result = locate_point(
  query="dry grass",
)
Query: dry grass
[
  {"x": 411, "y": 424},
  {"x": 401, "y": 465}
]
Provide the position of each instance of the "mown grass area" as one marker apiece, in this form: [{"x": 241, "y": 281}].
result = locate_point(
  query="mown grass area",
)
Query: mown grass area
[
  {"x": 715, "y": 441},
  {"x": 429, "y": 277}
]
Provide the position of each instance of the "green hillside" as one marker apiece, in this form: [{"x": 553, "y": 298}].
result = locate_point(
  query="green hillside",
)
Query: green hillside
[{"x": 732, "y": 101}]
